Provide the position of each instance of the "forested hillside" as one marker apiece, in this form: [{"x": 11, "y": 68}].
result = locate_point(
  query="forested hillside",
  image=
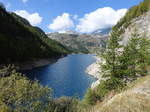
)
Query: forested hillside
[{"x": 19, "y": 41}]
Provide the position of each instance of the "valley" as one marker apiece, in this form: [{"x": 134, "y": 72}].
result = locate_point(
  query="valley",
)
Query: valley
[{"x": 92, "y": 61}]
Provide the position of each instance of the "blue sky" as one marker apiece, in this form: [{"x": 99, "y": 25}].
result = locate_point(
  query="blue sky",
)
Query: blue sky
[{"x": 81, "y": 15}]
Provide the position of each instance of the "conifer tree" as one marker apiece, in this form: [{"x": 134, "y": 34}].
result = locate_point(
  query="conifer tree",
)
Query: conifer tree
[{"x": 110, "y": 69}]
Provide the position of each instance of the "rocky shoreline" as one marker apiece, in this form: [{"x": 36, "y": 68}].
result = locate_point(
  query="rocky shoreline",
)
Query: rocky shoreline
[{"x": 94, "y": 71}]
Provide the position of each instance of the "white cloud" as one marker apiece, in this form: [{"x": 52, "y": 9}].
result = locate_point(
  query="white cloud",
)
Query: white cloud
[
  {"x": 75, "y": 17},
  {"x": 101, "y": 18},
  {"x": 34, "y": 18},
  {"x": 24, "y": 1},
  {"x": 61, "y": 23}
]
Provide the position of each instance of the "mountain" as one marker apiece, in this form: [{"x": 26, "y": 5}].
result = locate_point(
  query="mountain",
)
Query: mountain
[
  {"x": 71, "y": 32},
  {"x": 136, "y": 20},
  {"x": 139, "y": 25},
  {"x": 20, "y": 42},
  {"x": 84, "y": 43}
]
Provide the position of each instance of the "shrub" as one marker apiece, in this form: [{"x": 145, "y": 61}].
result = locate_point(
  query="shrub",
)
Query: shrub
[
  {"x": 19, "y": 94},
  {"x": 90, "y": 97}
]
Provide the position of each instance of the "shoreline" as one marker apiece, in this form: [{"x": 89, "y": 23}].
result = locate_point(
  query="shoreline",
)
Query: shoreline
[
  {"x": 34, "y": 64},
  {"x": 29, "y": 65},
  {"x": 94, "y": 71}
]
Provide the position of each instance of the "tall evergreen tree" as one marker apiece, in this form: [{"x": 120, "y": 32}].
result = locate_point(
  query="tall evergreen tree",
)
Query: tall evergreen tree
[{"x": 111, "y": 66}]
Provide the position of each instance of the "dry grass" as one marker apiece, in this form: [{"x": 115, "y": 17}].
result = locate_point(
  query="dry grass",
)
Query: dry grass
[
  {"x": 135, "y": 99},
  {"x": 128, "y": 103}
]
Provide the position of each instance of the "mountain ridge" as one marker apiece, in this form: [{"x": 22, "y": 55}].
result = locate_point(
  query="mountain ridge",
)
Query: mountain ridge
[{"x": 85, "y": 43}]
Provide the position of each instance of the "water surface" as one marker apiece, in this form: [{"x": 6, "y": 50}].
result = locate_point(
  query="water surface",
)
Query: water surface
[{"x": 67, "y": 77}]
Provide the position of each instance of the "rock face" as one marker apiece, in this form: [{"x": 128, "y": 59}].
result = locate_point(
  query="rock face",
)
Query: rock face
[
  {"x": 95, "y": 70},
  {"x": 139, "y": 25}
]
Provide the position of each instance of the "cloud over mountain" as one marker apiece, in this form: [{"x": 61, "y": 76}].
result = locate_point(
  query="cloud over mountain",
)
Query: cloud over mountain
[
  {"x": 34, "y": 18},
  {"x": 101, "y": 18},
  {"x": 61, "y": 23}
]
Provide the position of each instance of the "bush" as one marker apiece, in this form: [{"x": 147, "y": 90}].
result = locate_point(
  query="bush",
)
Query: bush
[
  {"x": 19, "y": 94},
  {"x": 103, "y": 89},
  {"x": 90, "y": 97},
  {"x": 67, "y": 104}
]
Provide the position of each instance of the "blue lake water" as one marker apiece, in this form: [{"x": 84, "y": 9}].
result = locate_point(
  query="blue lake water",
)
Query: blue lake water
[{"x": 67, "y": 77}]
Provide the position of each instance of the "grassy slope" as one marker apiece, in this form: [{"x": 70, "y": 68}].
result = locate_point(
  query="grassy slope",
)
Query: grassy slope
[{"x": 135, "y": 99}]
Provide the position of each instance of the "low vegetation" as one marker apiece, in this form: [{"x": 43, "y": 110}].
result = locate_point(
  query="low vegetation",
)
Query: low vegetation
[{"x": 135, "y": 98}]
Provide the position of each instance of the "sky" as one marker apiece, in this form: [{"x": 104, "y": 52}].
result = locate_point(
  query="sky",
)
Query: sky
[{"x": 84, "y": 16}]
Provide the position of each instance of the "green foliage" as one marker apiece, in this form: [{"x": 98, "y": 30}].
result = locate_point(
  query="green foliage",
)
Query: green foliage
[
  {"x": 6, "y": 71},
  {"x": 65, "y": 104},
  {"x": 20, "y": 94},
  {"x": 132, "y": 13},
  {"x": 103, "y": 89},
  {"x": 111, "y": 67},
  {"x": 123, "y": 62},
  {"x": 90, "y": 97},
  {"x": 122, "y": 65}
]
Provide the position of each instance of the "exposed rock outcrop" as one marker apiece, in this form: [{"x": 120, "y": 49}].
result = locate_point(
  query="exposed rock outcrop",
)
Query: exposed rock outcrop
[
  {"x": 94, "y": 70},
  {"x": 139, "y": 25}
]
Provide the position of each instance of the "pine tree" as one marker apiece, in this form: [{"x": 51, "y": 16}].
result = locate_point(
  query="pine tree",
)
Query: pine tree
[{"x": 111, "y": 69}]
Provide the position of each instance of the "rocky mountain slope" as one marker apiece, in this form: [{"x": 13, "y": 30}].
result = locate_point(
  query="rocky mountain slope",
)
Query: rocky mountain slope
[
  {"x": 139, "y": 25},
  {"x": 84, "y": 43},
  {"x": 136, "y": 20}
]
